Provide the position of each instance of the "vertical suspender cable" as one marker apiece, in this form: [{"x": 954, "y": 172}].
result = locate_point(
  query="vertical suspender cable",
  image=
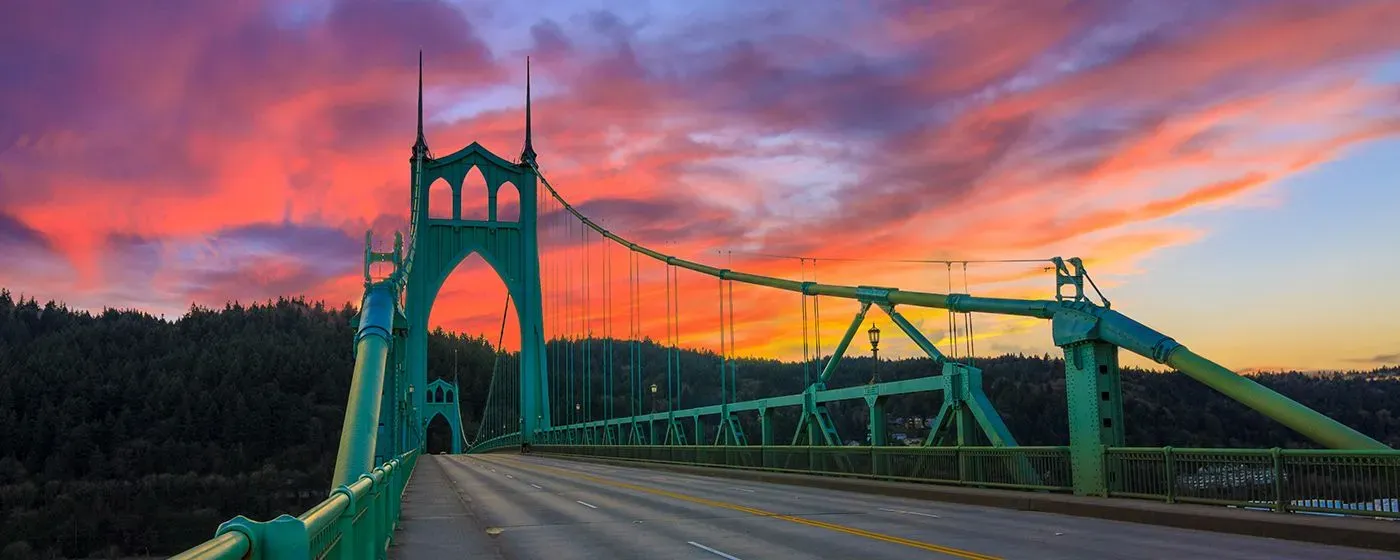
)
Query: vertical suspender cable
[
  {"x": 607, "y": 330},
  {"x": 632, "y": 333},
  {"x": 967, "y": 318},
  {"x": 734, "y": 354},
  {"x": 723, "y": 356},
  {"x": 675, "y": 345},
  {"x": 952, "y": 323},
  {"x": 588, "y": 396},
  {"x": 817, "y": 310},
  {"x": 806, "y": 354},
  {"x": 670, "y": 329}
]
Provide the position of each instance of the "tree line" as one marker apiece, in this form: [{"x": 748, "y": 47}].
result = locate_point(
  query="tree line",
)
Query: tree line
[{"x": 122, "y": 433}]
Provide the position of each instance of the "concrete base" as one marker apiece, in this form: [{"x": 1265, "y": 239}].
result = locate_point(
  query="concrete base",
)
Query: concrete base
[{"x": 1341, "y": 531}]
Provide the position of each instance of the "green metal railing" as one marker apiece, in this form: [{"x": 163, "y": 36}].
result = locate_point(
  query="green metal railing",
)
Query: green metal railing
[
  {"x": 504, "y": 441},
  {"x": 356, "y": 521},
  {"x": 1025, "y": 468},
  {"x": 1362, "y": 482}
]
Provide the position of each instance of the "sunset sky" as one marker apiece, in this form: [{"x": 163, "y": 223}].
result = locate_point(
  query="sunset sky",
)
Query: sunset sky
[{"x": 1230, "y": 170}]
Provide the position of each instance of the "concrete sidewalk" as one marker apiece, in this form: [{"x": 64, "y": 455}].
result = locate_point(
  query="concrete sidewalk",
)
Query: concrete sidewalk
[
  {"x": 437, "y": 520},
  {"x": 1342, "y": 531}
]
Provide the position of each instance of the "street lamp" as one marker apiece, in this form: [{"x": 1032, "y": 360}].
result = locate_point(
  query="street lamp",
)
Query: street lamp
[
  {"x": 653, "y": 398},
  {"x": 874, "y": 333}
]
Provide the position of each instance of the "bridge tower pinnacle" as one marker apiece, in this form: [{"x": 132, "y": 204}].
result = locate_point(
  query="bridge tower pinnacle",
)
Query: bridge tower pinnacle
[
  {"x": 527, "y": 156},
  {"x": 420, "y": 147}
]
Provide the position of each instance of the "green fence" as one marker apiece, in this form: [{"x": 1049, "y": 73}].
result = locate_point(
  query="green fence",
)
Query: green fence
[
  {"x": 1028, "y": 468},
  {"x": 356, "y": 521},
  {"x": 1357, "y": 483},
  {"x": 1292, "y": 480}
]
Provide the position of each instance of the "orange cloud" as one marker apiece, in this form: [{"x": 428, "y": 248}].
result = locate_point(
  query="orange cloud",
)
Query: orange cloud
[{"x": 1001, "y": 129}]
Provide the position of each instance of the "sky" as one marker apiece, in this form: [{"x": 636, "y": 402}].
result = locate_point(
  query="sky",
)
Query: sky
[{"x": 1227, "y": 169}]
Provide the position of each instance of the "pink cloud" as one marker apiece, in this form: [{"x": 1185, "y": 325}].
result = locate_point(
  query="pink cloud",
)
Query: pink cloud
[{"x": 991, "y": 130}]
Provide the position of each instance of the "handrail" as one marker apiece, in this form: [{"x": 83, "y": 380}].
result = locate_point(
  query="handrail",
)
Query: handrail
[{"x": 327, "y": 525}]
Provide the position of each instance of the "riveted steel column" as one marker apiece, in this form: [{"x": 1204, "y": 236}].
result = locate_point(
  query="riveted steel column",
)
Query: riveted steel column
[{"x": 1094, "y": 392}]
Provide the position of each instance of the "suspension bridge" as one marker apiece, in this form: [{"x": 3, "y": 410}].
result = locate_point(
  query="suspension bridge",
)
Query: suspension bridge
[{"x": 595, "y": 429}]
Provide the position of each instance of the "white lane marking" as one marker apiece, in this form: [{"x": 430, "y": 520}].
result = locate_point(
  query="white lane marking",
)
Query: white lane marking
[
  {"x": 586, "y": 504},
  {"x": 911, "y": 512},
  {"x": 537, "y": 487},
  {"x": 741, "y": 489},
  {"x": 509, "y": 476},
  {"x": 710, "y": 550}
]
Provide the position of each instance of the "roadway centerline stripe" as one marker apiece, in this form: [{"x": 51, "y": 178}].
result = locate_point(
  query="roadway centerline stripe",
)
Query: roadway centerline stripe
[
  {"x": 537, "y": 486},
  {"x": 910, "y": 512},
  {"x": 710, "y": 550},
  {"x": 967, "y": 554},
  {"x": 741, "y": 489},
  {"x": 586, "y": 504},
  {"x": 509, "y": 476}
]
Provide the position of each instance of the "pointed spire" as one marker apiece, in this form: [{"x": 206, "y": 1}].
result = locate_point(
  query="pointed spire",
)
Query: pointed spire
[
  {"x": 420, "y": 147},
  {"x": 527, "y": 156}
]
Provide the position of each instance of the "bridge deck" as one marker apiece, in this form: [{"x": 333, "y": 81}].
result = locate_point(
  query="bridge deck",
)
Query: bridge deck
[{"x": 558, "y": 509}]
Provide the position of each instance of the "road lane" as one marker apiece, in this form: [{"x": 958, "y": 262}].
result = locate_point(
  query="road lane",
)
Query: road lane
[
  {"x": 680, "y": 521},
  {"x": 993, "y": 531},
  {"x": 552, "y": 508}
]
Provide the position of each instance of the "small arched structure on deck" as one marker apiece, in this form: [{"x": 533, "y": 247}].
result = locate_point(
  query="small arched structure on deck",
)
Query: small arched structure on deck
[{"x": 442, "y": 402}]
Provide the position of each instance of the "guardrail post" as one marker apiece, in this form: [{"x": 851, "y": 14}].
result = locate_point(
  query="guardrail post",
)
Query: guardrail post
[
  {"x": 381, "y": 517},
  {"x": 345, "y": 525},
  {"x": 364, "y": 527},
  {"x": 282, "y": 538},
  {"x": 1170, "y": 474},
  {"x": 1280, "y": 501},
  {"x": 962, "y": 468}
]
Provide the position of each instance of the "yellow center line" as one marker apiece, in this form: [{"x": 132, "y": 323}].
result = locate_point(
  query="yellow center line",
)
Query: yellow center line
[{"x": 754, "y": 511}]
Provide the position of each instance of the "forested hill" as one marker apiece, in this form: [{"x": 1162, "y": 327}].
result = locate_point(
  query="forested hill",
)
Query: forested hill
[
  {"x": 121, "y": 433},
  {"x": 124, "y": 433}
]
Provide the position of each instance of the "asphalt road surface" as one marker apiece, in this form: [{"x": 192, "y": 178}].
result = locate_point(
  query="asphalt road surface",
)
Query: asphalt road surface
[{"x": 527, "y": 507}]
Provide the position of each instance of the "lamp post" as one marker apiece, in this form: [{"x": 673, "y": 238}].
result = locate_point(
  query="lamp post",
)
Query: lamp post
[
  {"x": 874, "y": 333},
  {"x": 875, "y": 434},
  {"x": 408, "y": 417},
  {"x": 651, "y": 424}
]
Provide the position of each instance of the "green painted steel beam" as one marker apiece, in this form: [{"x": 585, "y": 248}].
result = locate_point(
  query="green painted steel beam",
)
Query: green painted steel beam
[
  {"x": 841, "y": 346},
  {"x": 858, "y": 392},
  {"x": 361, "y": 427},
  {"x": 913, "y": 333},
  {"x": 885, "y": 389},
  {"x": 1081, "y": 321},
  {"x": 1288, "y": 412}
]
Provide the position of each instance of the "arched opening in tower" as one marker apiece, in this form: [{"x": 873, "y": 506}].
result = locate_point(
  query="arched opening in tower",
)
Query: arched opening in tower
[
  {"x": 439, "y": 435},
  {"x": 466, "y": 323}
]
